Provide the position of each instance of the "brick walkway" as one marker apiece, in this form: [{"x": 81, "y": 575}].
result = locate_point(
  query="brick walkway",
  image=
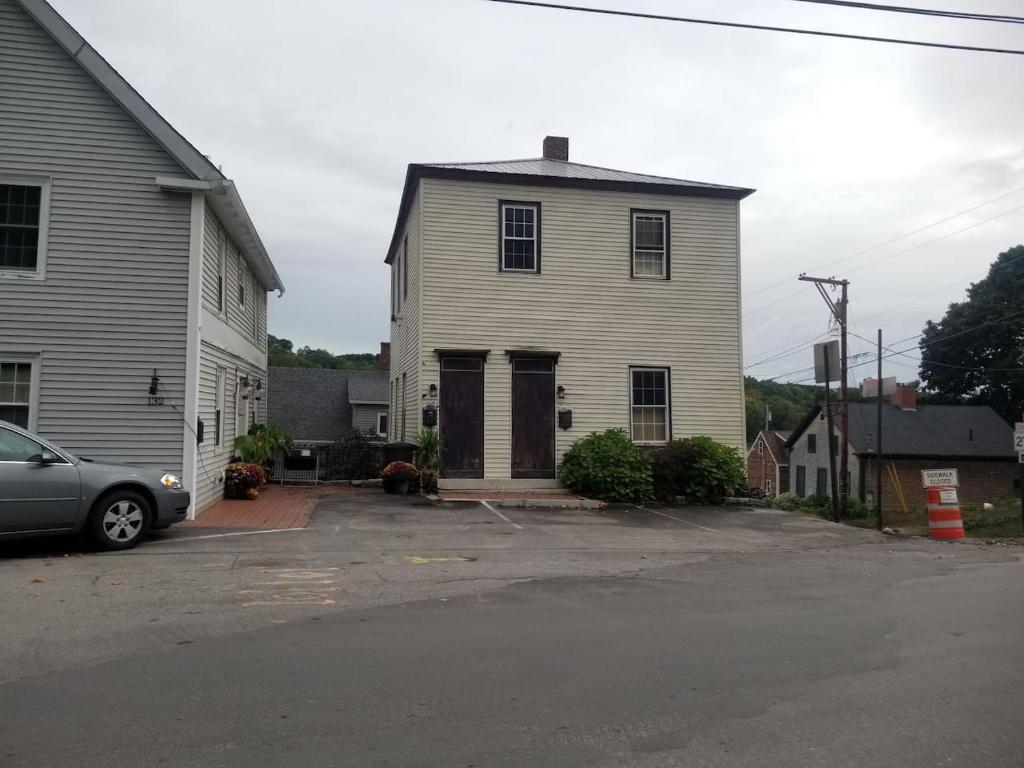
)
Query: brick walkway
[{"x": 277, "y": 507}]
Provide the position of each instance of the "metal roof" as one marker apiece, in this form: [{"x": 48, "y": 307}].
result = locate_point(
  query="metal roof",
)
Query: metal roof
[{"x": 565, "y": 169}]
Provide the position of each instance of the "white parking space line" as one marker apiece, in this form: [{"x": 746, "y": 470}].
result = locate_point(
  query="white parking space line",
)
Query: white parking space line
[
  {"x": 499, "y": 514},
  {"x": 680, "y": 520},
  {"x": 224, "y": 535}
]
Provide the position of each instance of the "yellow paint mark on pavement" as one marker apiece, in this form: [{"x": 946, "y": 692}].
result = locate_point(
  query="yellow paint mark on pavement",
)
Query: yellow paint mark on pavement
[{"x": 417, "y": 560}]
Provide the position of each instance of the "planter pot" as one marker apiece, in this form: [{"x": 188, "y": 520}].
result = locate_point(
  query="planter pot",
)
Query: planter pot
[
  {"x": 428, "y": 481},
  {"x": 252, "y": 493},
  {"x": 402, "y": 487}
]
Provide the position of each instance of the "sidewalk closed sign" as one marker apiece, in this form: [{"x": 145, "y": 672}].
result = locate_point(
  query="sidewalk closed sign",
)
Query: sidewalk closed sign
[{"x": 934, "y": 478}]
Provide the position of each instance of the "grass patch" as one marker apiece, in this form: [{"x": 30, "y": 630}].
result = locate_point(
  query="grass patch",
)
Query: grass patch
[{"x": 1002, "y": 521}]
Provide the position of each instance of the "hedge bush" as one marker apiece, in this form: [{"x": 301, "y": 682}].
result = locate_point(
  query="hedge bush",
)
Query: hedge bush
[
  {"x": 608, "y": 466},
  {"x": 698, "y": 468},
  {"x": 787, "y": 501}
]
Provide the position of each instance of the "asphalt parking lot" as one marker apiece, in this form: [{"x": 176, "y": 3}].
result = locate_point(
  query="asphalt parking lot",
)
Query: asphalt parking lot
[{"x": 393, "y": 633}]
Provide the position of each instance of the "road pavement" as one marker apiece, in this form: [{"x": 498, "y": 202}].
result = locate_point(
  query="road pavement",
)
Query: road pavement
[{"x": 393, "y": 635}]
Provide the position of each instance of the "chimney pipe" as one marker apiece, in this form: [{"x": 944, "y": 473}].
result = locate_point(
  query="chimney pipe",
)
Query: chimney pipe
[
  {"x": 905, "y": 397},
  {"x": 384, "y": 360},
  {"x": 556, "y": 148}
]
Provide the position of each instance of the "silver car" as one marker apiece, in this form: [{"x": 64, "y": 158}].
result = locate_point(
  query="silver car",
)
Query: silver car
[{"x": 45, "y": 490}]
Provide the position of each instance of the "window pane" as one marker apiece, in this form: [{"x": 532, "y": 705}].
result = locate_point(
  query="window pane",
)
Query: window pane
[
  {"x": 15, "y": 447},
  {"x": 649, "y": 388},
  {"x": 649, "y": 425},
  {"x": 19, "y": 226},
  {"x": 519, "y": 254}
]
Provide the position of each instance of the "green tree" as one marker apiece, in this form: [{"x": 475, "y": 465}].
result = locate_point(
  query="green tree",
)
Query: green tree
[
  {"x": 282, "y": 352},
  {"x": 975, "y": 353}
]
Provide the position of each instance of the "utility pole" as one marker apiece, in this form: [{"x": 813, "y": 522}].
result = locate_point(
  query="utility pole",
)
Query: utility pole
[
  {"x": 839, "y": 310},
  {"x": 878, "y": 439},
  {"x": 831, "y": 451}
]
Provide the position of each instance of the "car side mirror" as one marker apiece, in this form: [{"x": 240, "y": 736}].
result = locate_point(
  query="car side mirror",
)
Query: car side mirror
[{"x": 45, "y": 458}]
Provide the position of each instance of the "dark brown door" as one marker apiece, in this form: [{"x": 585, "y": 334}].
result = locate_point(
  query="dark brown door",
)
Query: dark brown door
[
  {"x": 462, "y": 417},
  {"x": 533, "y": 418}
]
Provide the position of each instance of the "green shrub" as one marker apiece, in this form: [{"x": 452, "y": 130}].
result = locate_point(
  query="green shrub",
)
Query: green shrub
[
  {"x": 699, "y": 469},
  {"x": 818, "y": 505},
  {"x": 856, "y": 509},
  {"x": 608, "y": 466},
  {"x": 787, "y": 501}
]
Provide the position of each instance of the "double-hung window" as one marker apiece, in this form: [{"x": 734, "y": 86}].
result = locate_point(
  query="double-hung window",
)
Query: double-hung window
[
  {"x": 23, "y": 227},
  {"x": 649, "y": 403},
  {"x": 15, "y": 392},
  {"x": 222, "y": 270},
  {"x": 241, "y": 281},
  {"x": 649, "y": 244},
  {"x": 520, "y": 237}
]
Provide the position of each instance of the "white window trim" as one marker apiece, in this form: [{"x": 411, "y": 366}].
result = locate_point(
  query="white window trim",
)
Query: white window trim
[
  {"x": 33, "y": 396},
  {"x": 222, "y": 273},
  {"x": 667, "y": 406},
  {"x": 218, "y": 405},
  {"x": 760, "y": 447},
  {"x": 664, "y": 243},
  {"x": 44, "y": 184},
  {"x": 767, "y": 485},
  {"x": 240, "y": 287},
  {"x": 241, "y": 410},
  {"x": 535, "y": 239},
  {"x": 380, "y": 432}
]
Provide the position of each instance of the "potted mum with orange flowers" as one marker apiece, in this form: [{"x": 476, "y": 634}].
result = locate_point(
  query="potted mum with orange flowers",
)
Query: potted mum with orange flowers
[{"x": 399, "y": 477}]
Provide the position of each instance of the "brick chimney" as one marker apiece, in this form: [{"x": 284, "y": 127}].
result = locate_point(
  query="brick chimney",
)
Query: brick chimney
[
  {"x": 905, "y": 397},
  {"x": 556, "y": 147},
  {"x": 384, "y": 362}
]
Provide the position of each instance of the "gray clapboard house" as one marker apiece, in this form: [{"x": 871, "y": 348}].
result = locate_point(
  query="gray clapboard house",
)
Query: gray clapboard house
[{"x": 127, "y": 263}]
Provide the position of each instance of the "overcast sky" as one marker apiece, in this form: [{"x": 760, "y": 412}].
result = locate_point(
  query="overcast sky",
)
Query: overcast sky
[{"x": 315, "y": 107}]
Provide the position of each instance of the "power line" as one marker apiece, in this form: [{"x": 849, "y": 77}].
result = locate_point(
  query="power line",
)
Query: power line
[
  {"x": 759, "y": 27},
  {"x": 893, "y": 240},
  {"x": 898, "y": 253},
  {"x": 964, "y": 15}
]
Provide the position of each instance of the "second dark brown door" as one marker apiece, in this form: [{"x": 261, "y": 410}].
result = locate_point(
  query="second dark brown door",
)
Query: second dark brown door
[
  {"x": 462, "y": 417},
  {"x": 533, "y": 418}
]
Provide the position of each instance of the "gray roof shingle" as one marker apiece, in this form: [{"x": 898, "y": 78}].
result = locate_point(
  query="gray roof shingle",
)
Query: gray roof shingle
[
  {"x": 950, "y": 431},
  {"x": 368, "y": 390},
  {"x": 312, "y": 404}
]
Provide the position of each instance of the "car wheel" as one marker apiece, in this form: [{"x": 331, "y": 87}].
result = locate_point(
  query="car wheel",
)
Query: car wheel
[{"x": 120, "y": 520}]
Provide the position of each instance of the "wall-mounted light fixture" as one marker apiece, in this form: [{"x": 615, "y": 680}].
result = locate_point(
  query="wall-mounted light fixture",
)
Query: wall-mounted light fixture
[
  {"x": 243, "y": 386},
  {"x": 560, "y": 392},
  {"x": 154, "y": 383},
  {"x": 259, "y": 389},
  {"x": 432, "y": 390}
]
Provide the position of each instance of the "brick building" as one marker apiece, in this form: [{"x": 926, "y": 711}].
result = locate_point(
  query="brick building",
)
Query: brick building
[
  {"x": 971, "y": 438},
  {"x": 768, "y": 462}
]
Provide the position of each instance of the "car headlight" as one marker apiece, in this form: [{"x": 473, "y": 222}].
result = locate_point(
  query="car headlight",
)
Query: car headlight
[{"x": 170, "y": 481}]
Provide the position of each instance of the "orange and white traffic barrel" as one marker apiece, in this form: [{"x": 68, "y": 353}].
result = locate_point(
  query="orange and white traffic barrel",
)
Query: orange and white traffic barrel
[{"x": 944, "y": 520}]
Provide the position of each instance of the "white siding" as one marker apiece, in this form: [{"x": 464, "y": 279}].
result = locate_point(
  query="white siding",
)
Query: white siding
[
  {"x": 799, "y": 456},
  {"x": 584, "y": 305},
  {"x": 212, "y": 458},
  {"x": 405, "y": 330},
  {"x": 112, "y": 306}
]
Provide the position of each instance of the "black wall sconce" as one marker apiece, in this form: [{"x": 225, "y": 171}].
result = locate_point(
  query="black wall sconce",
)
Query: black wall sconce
[
  {"x": 154, "y": 388},
  {"x": 565, "y": 418},
  {"x": 259, "y": 389},
  {"x": 243, "y": 385},
  {"x": 432, "y": 390},
  {"x": 430, "y": 416},
  {"x": 560, "y": 392}
]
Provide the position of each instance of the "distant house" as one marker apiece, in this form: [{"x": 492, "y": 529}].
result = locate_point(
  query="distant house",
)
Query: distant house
[
  {"x": 319, "y": 406},
  {"x": 133, "y": 284},
  {"x": 971, "y": 438},
  {"x": 535, "y": 301},
  {"x": 768, "y": 462}
]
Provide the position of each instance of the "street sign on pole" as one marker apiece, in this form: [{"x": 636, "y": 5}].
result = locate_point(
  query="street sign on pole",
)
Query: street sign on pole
[
  {"x": 822, "y": 373},
  {"x": 935, "y": 478}
]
